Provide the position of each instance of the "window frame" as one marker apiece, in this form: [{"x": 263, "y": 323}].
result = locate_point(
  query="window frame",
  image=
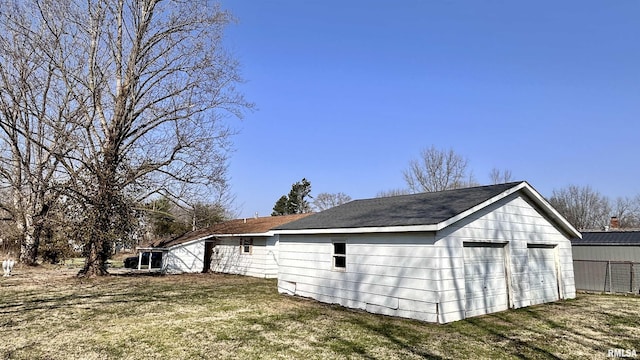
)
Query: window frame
[
  {"x": 338, "y": 255},
  {"x": 246, "y": 244}
]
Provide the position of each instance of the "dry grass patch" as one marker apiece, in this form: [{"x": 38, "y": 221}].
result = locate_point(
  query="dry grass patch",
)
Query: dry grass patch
[{"x": 46, "y": 313}]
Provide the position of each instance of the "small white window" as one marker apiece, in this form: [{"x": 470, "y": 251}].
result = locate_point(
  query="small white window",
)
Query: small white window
[
  {"x": 246, "y": 246},
  {"x": 339, "y": 255}
]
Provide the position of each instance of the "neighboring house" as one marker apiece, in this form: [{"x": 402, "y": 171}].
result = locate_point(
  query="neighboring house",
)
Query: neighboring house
[
  {"x": 241, "y": 246},
  {"x": 436, "y": 257},
  {"x": 607, "y": 261}
]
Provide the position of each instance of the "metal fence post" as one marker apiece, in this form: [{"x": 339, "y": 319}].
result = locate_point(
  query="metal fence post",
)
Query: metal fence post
[{"x": 609, "y": 271}]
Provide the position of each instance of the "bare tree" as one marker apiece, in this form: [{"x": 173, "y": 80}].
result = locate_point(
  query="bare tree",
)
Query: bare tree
[
  {"x": 33, "y": 127},
  {"x": 150, "y": 86},
  {"x": 627, "y": 210},
  {"x": 324, "y": 201},
  {"x": 583, "y": 207},
  {"x": 500, "y": 177},
  {"x": 437, "y": 170},
  {"x": 392, "y": 192}
]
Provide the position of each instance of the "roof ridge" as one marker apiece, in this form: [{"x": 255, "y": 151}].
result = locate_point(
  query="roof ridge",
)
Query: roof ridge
[{"x": 507, "y": 185}]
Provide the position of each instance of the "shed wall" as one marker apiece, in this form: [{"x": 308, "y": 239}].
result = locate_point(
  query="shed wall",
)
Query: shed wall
[
  {"x": 514, "y": 222},
  {"x": 227, "y": 258},
  {"x": 261, "y": 262},
  {"x": 609, "y": 252},
  {"x": 391, "y": 274},
  {"x": 187, "y": 258}
]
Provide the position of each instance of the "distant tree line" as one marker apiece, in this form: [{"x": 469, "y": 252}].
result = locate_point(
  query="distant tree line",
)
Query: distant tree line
[{"x": 587, "y": 209}]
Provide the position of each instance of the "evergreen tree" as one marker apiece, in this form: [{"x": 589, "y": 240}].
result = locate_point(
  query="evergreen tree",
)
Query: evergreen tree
[
  {"x": 296, "y": 202},
  {"x": 281, "y": 206}
]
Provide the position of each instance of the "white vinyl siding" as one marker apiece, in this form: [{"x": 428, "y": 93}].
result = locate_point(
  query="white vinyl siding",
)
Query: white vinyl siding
[
  {"x": 228, "y": 257},
  {"x": 392, "y": 274},
  {"x": 185, "y": 258},
  {"x": 512, "y": 220}
]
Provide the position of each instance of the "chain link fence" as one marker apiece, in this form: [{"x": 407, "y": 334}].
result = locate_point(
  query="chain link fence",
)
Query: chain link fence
[{"x": 607, "y": 276}]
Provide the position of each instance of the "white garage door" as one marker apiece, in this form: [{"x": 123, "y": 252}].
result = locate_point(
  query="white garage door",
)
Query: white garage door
[
  {"x": 543, "y": 277},
  {"x": 485, "y": 279}
]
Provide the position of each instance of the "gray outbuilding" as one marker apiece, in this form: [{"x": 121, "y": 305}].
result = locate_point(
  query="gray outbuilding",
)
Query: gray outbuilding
[{"x": 607, "y": 261}]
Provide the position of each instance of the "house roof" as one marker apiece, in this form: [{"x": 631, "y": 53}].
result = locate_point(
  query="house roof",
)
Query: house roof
[
  {"x": 237, "y": 227},
  {"x": 418, "y": 212},
  {"x": 603, "y": 238}
]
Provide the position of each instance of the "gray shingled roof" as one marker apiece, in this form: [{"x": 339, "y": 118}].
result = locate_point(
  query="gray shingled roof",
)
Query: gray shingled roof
[
  {"x": 405, "y": 210},
  {"x": 608, "y": 238}
]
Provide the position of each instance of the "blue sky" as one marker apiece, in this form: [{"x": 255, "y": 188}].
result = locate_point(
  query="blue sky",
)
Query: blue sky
[{"x": 348, "y": 92}]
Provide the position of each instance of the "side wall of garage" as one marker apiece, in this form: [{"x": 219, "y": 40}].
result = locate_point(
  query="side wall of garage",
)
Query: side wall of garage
[
  {"x": 514, "y": 236},
  {"x": 386, "y": 273}
]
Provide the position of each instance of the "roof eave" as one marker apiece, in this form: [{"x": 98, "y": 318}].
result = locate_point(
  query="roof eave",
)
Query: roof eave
[
  {"x": 551, "y": 212},
  {"x": 361, "y": 230},
  {"x": 185, "y": 243},
  {"x": 207, "y": 237},
  {"x": 268, "y": 233}
]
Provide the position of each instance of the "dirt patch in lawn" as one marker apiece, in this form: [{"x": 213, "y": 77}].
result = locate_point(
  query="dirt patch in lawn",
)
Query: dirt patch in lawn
[{"x": 47, "y": 313}]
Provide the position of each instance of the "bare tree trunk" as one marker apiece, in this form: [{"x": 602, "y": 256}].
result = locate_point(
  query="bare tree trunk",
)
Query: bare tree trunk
[
  {"x": 98, "y": 247},
  {"x": 108, "y": 212},
  {"x": 95, "y": 262},
  {"x": 29, "y": 242}
]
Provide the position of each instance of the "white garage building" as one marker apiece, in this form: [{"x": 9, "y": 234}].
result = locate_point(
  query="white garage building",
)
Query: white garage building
[{"x": 436, "y": 257}]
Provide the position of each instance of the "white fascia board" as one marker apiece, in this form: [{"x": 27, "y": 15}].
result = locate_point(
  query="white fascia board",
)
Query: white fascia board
[
  {"x": 151, "y": 249},
  {"x": 268, "y": 233},
  {"x": 360, "y": 230}
]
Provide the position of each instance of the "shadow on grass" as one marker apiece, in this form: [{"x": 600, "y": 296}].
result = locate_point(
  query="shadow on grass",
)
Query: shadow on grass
[
  {"x": 482, "y": 326},
  {"x": 71, "y": 300},
  {"x": 402, "y": 337},
  {"x": 135, "y": 274},
  {"x": 501, "y": 326},
  {"x": 346, "y": 332}
]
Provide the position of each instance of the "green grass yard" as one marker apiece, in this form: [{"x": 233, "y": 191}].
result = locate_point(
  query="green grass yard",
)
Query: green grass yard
[{"x": 46, "y": 313}]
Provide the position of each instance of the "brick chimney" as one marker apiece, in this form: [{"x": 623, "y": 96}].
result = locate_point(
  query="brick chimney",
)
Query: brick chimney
[{"x": 615, "y": 223}]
